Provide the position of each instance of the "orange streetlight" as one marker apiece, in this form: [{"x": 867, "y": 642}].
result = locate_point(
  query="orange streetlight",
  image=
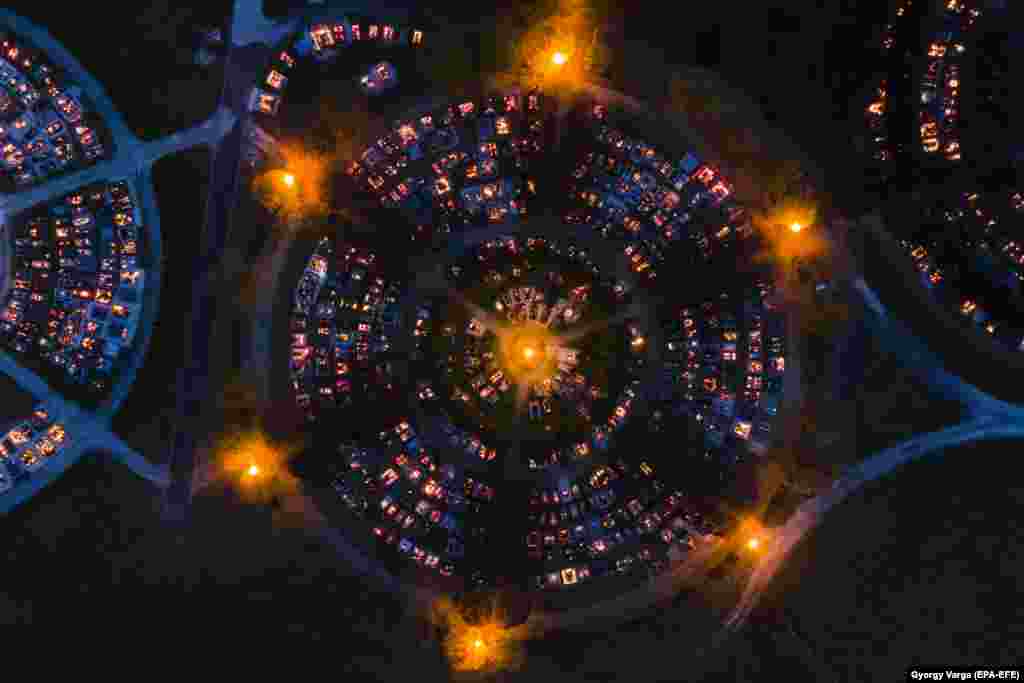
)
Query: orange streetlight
[
  {"x": 253, "y": 470},
  {"x": 478, "y": 643},
  {"x": 528, "y": 353},
  {"x": 753, "y": 543},
  {"x": 288, "y": 179},
  {"x": 559, "y": 58},
  {"x": 796, "y": 227}
]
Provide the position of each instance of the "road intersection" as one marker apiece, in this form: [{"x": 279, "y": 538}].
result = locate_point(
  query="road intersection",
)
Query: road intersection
[{"x": 132, "y": 160}]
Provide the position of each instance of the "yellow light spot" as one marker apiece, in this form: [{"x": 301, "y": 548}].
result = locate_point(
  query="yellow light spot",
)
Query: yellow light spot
[
  {"x": 559, "y": 58},
  {"x": 796, "y": 227},
  {"x": 528, "y": 353},
  {"x": 753, "y": 543},
  {"x": 288, "y": 179},
  {"x": 478, "y": 643},
  {"x": 253, "y": 471}
]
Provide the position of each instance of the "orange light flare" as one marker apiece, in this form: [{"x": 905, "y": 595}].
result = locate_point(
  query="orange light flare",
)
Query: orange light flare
[
  {"x": 752, "y": 535},
  {"x": 787, "y": 234},
  {"x": 524, "y": 352},
  {"x": 562, "y": 47},
  {"x": 480, "y": 643},
  {"x": 255, "y": 465},
  {"x": 297, "y": 193}
]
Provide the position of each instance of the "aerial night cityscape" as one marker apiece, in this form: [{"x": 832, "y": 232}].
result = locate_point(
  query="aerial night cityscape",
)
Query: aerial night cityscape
[{"x": 576, "y": 340}]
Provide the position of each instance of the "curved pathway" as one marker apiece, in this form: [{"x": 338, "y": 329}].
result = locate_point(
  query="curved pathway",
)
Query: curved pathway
[
  {"x": 132, "y": 161},
  {"x": 810, "y": 514},
  {"x": 988, "y": 418},
  {"x": 260, "y": 31}
]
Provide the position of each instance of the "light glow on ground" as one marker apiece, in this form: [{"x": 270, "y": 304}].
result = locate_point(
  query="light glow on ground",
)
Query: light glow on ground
[
  {"x": 527, "y": 352},
  {"x": 559, "y": 50},
  {"x": 785, "y": 234},
  {"x": 300, "y": 193},
  {"x": 481, "y": 643},
  {"x": 257, "y": 467}
]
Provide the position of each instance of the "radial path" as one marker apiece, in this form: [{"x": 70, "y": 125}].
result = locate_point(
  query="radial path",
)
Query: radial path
[{"x": 132, "y": 160}]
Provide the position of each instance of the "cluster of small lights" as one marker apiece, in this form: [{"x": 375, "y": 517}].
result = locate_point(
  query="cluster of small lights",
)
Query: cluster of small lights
[
  {"x": 68, "y": 276},
  {"x": 989, "y": 220},
  {"x": 432, "y": 471},
  {"x": 940, "y": 84},
  {"x": 49, "y": 134},
  {"x": 29, "y": 444},
  {"x": 323, "y": 41}
]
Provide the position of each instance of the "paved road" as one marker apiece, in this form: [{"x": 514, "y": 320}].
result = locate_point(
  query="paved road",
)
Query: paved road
[
  {"x": 133, "y": 156},
  {"x": 193, "y": 383},
  {"x": 65, "y": 61},
  {"x": 132, "y": 159},
  {"x": 963, "y": 350},
  {"x": 85, "y": 431},
  {"x": 990, "y": 418},
  {"x": 811, "y": 513}
]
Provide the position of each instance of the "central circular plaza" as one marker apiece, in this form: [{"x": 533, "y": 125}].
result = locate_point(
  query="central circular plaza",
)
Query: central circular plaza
[
  {"x": 527, "y": 351},
  {"x": 531, "y": 345},
  {"x": 548, "y": 381}
]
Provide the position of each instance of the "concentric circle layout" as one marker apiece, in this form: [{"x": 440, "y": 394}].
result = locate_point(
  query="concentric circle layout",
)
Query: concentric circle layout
[{"x": 567, "y": 361}]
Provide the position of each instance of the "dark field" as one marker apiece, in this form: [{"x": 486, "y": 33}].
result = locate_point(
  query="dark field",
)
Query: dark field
[
  {"x": 91, "y": 552},
  {"x": 16, "y": 404},
  {"x": 181, "y": 187},
  {"x": 141, "y": 55},
  {"x": 925, "y": 567}
]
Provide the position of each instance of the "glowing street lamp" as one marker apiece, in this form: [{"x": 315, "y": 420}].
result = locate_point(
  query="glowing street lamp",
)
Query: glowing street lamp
[
  {"x": 478, "y": 643},
  {"x": 559, "y": 58},
  {"x": 253, "y": 471},
  {"x": 528, "y": 353},
  {"x": 288, "y": 179},
  {"x": 753, "y": 543},
  {"x": 796, "y": 227}
]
